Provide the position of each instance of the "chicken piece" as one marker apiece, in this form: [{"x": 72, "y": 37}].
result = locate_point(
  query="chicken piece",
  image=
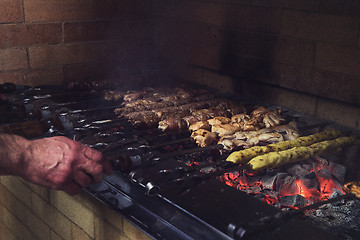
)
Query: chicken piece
[
  {"x": 226, "y": 129},
  {"x": 259, "y": 111},
  {"x": 289, "y": 131},
  {"x": 254, "y": 124},
  {"x": 111, "y": 95},
  {"x": 203, "y": 137},
  {"x": 219, "y": 120},
  {"x": 230, "y": 142},
  {"x": 200, "y": 125},
  {"x": 272, "y": 118},
  {"x": 266, "y": 138},
  {"x": 240, "y": 118}
]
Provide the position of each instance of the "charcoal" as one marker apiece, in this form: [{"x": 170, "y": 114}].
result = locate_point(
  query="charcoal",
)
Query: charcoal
[
  {"x": 295, "y": 201},
  {"x": 310, "y": 181},
  {"x": 287, "y": 185},
  {"x": 340, "y": 218},
  {"x": 338, "y": 171},
  {"x": 251, "y": 189},
  {"x": 268, "y": 181},
  {"x": 324, "y": 173},
  {"x": 298, "y": 170},
  {"x": 327, "y": 182}
]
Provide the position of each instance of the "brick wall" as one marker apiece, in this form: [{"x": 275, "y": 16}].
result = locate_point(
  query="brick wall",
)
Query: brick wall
[
  {"x": 52, "y": 42},
  {"x": 303, "y": 55},
  {"x": 28, "y": 211}
]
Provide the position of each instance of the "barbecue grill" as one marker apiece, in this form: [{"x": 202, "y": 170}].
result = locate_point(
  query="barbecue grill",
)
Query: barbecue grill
[{"x": 164, "y": 183}]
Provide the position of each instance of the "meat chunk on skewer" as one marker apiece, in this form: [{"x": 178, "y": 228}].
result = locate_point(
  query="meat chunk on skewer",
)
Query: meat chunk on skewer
[
  {"x": 203, "y": 137},
  {"x": 200, "y": 125}
]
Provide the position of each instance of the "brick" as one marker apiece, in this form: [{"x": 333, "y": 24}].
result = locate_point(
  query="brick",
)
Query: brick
[
  {"x": 296, "y": 77},
  {"x": 306, "y": 5},
  {"x": 44, "y": 76},
  {"x": 212, "y": 13},
  {"x": 86, "y": 31},
  {"x": 332, "y": 6},
  {"x": 28, "y": 218},
  {"x": 53, "y": 55},
  {"x": 234, "y": 16},
  {"x": 16, "y": 227},
  {"x": 337, "y": 86},
  {"x": 292, "y": 51},
  {"x": 339, "y": 112},
  {"x": 49, "y": 214},
  {"x": 78, "y": 233},
  {"x": 110, "y": 232},
  {"x": 110, "y": 9},
  {"x": 36, "y": 226},
  {"x": 18, "y": 188},
  {"x": 29, "y": 34},
  {"x": 133, "y": 232},
  {"x": 86, "y": 71},
  {"x": 16, "y": 77},
  {"x": 74, "y": 210},
  {"x": 320, "y": 27},
  {"x": 107, "y": 9},
  {"x": 99, "y": 228},
  {"x": 13, "y": 59},
  {"x": 43, "y": 192},
  {"x": 5, "y": 233},
  {"x": 89, "y": 202},
  {"x": 219, "y": 81},
  {"x": 352, "y": 7},
  {"x": 287, "y": 98},
  {"x": 53, "y": 10},
  {"x": 54, "y": 236},
  {"x": 267, "y": 3},
  {"x": 335, "y": 58},
  {"x": 187, "y": 72},
  {"x": 11, "y": 11},
  {"x": 111, "y": 216}
]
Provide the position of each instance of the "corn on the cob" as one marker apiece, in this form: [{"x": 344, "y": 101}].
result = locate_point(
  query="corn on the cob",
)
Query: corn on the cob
[
  {"x": 243, "y": 156},
  {"x": 275, "y": 159}
]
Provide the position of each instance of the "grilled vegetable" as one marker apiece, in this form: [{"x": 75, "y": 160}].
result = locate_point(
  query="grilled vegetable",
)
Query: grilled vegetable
[
  {"x": 276, "y": 159},
  {"x": 353, "y": 187},
  {"x": 245, "y": 155}
]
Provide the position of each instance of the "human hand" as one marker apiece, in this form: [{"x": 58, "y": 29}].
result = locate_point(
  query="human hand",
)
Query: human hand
[{"x": 63, "y": 164}]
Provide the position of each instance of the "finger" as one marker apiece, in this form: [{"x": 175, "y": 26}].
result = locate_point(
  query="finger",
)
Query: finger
[
  {"x": 93, "y": 169},
  {"x": 107, "y": 167},
  {"x": 93, "y": 154},
  {"x": 82, "y": 179}
]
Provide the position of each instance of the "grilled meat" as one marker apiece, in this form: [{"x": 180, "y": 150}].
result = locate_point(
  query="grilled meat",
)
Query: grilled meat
[
  {"x": 226, "y": 129},
  {"x": 200, "y": 125},
  {"x": 219, "y": 120},
  {"x": 111, "y": 95},
  {"x": 203, "y": 137}
]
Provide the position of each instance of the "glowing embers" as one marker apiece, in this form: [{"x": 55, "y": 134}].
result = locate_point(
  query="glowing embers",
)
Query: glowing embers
[{"x": 293, "y": 186}]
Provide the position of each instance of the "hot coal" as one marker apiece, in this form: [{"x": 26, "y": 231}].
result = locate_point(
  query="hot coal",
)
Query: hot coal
[
  {"x": 296, "y": 201},
  {"x": 293, "y": 186}
]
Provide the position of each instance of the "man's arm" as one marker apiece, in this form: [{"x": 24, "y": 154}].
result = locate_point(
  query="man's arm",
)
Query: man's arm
[{"x": 55, "y": 162}]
